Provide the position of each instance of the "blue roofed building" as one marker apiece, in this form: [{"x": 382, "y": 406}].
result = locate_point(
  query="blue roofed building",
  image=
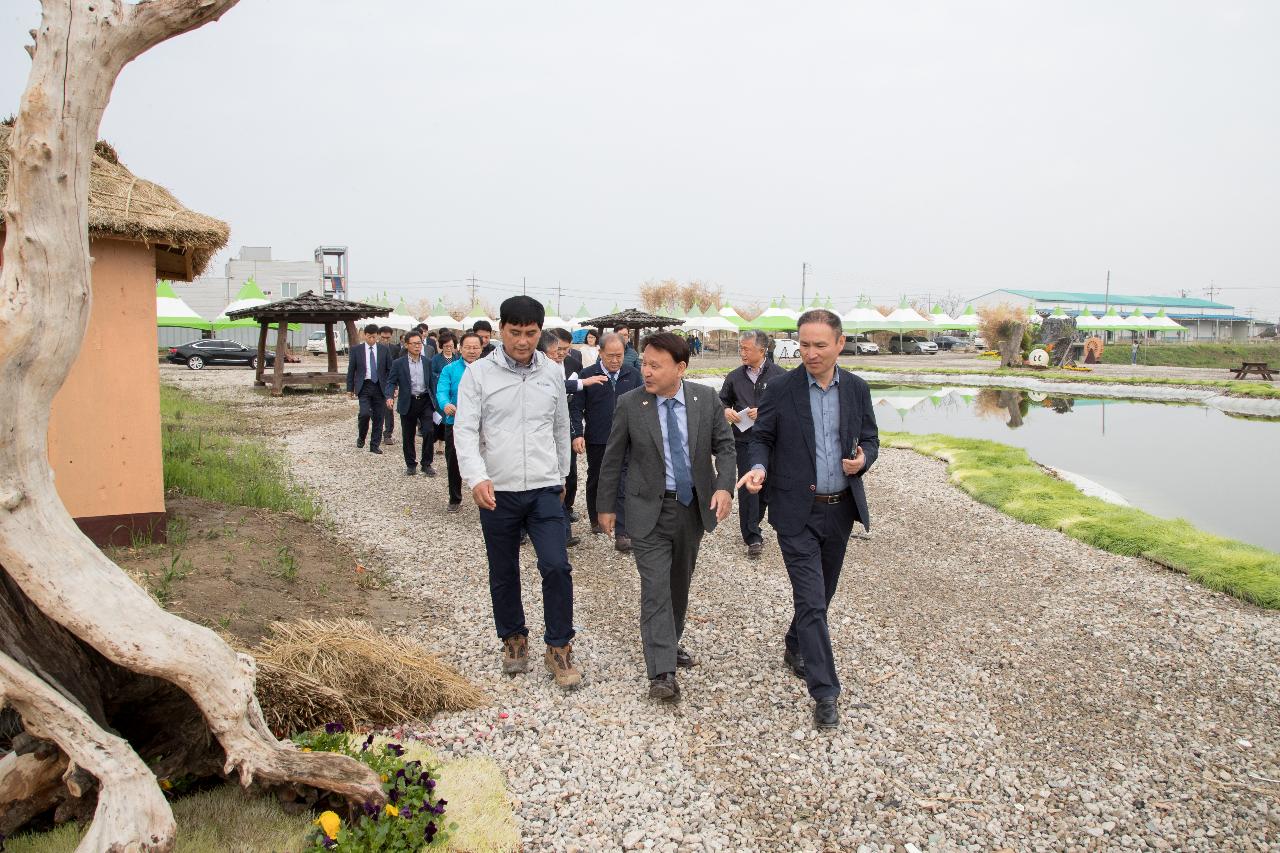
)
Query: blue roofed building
[{"x": 1203, "y": 319}]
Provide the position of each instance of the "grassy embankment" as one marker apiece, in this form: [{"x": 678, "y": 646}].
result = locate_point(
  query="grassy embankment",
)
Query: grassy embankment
[
  {"x": 1229, "y": 387},
  {"x": 209, "y": 454},
  {"x": 1195, "y": 355},
  {"x": 1006, "y": 478}
]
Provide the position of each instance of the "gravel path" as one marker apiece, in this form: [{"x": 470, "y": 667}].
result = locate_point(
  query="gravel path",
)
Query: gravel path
[{"x": 1028, "y": 692}]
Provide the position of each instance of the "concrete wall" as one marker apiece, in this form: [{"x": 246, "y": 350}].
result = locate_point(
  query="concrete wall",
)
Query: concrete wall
[{"x": 104, "y": 432}]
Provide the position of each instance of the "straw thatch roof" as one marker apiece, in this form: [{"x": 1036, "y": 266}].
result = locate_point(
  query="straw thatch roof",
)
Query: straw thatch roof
[
  {"x": 126, "y": 207},
  {"x": 632, "y": 318},
  {"x": 309, "y": 307}
]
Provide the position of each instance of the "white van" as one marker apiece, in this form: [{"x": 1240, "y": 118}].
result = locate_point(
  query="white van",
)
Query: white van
[{"x": 316, "y": 343}]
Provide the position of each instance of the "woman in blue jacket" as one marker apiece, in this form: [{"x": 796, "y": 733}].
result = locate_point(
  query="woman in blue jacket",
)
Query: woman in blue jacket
[{"x": 446, "y": 379}]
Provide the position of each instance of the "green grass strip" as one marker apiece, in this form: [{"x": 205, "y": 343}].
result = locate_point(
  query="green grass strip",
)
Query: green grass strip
[
  {"x": 1217, "y": 355},
  {"x": 209, "y": 454},
  {"x": 1229, "y": 387},
  {"x": 1006, "y": 478}
]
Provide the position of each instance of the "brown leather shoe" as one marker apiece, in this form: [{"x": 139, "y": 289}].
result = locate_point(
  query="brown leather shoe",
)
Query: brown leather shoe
[
  {"x": 664, "y": 688},
  {"x": 559, "y": 661},
  {"x": 684, "y": 660},
  {"x": 622, "y": 543},
  {"x": 515, "y": 654}
]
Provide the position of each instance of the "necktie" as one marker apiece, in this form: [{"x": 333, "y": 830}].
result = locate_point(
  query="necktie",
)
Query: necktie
[
  {"x": 373, "y": 361},
  {"x": 680, "y": 464}
]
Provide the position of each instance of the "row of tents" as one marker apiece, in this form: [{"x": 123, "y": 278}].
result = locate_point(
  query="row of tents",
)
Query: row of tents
[{"x": 172, "y": 311}]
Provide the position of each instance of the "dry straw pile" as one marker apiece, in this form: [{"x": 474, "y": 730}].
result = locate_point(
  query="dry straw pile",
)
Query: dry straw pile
[{"x": 312, "y": 673}]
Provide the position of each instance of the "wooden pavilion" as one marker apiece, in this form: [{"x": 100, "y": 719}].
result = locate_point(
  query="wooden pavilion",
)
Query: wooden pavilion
[
  {"x": 307, "y": 307},
  {"x": 633, "y": 319}
]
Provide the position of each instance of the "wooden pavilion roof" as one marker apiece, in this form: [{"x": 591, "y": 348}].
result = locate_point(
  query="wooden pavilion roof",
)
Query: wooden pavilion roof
[
  {"x": 310, "y": 307},
  {"x": 632, "y": 318}
]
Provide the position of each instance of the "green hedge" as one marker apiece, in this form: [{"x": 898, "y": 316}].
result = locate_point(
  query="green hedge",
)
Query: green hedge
[
  {"x": 1194, "y": 355},
  {"x": 1006, "y": 478}
]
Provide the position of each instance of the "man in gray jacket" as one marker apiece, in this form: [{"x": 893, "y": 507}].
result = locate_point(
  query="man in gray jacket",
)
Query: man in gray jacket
[
  {"x": 511, "y": 434},
  {"x": 673, "y": 431}
]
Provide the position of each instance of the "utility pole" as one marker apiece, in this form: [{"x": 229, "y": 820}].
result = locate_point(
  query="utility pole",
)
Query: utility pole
[
  {"x": 524, "y": 286},
  {"x": 804, "y": 276},
  {"x": 473, "y": 288},
  {"x": 1217, "y": 324},
  {"x": 1108, "y": 295},
  {"x": 558, "y": 311}
]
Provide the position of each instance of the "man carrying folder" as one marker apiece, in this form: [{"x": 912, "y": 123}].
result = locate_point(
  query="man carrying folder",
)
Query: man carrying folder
[{"x": 741, "y": 394}]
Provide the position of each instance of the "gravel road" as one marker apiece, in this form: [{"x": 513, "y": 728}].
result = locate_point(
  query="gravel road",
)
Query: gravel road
[{"x": 1028, "y": 692}]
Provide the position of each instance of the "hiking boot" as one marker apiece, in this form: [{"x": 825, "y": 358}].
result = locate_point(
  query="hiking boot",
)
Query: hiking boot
[
  {"x": 515, "y": 654},
  {"x": 559, "y": 661}
]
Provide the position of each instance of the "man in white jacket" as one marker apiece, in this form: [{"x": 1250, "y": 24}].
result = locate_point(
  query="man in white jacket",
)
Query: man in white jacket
[{"x": 511, "y": 435}]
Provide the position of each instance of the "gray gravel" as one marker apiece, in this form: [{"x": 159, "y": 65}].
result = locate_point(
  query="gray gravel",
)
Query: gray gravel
[{"x": 1028, "y": 692}]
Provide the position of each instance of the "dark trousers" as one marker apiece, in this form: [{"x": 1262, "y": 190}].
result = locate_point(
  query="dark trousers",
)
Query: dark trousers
[
  {"x": 570, "y": 491},
  {"x": 390, "y": 425},
  {"x": 538, "y": 511},
  {"x": 813, "y": 558},
  {"x": 665, "y": 558},
  {"x": 451, "y": 462},
  {"x": 373, "y": 408},
  {"x": 750, "y": 507},
  {"x": 595, "y": 456},
  {"x": 417, "y": 421}
]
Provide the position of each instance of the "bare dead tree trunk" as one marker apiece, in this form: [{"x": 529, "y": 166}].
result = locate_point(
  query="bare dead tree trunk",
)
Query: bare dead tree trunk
[
  {"x": 83, "y": 649},
  {"x": 1010, "y": 345}
]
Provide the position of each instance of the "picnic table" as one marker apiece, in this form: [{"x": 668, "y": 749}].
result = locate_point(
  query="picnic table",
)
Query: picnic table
[{"x": 1258, "y": 367}]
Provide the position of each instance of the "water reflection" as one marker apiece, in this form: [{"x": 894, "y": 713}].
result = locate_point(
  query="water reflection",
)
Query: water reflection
[{"x": 1169, "y": 459}]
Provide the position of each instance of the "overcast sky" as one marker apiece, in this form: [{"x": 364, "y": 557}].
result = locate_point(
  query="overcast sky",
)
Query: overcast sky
[{"x": 903, "y": 148}]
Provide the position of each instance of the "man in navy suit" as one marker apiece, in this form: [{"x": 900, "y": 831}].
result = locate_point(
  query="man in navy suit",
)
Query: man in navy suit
[
  {"x": 814, "y": 438},
  {"x": 367, "y": 369},
  {"x": 409, "y": 383},
  {"x": 591, "y": 413}
]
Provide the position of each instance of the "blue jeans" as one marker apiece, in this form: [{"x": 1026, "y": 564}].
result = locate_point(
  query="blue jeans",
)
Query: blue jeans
[{"x": 540, "y": 512}]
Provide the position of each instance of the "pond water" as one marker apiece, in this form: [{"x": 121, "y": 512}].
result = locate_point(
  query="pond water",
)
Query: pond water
[{"x": 1219, "y": 472}]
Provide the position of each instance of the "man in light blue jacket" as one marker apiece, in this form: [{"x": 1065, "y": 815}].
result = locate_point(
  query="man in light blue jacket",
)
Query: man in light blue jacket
[
  {"x": 511, "y": 432},
  {"x": 447, "y": 404}
]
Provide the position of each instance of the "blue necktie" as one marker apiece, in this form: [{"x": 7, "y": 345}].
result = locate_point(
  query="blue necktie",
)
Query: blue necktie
[{"x": 684, "y": 485}]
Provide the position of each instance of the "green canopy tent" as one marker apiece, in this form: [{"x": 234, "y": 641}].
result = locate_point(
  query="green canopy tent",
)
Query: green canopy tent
[
  {"x": 173, "y": 313},
  {"x": 250, "y": 296},
  {"x": 774, "y": 319}
]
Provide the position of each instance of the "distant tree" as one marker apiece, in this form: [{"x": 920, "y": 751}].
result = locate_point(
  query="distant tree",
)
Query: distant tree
[
  {"x": 749, "y": 311},
  {"x": 1004, "y": 326},
  {"x": 655, "y": 295},
  {"x": 421, "y": 308}
]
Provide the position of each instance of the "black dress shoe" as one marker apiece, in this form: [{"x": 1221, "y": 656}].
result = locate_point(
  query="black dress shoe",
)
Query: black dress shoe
[
  {"x": 664, "y": 688},
  {"x": 596, "y": 528},
  {"x": 574, "y": 517},
  {"x": 360, "y": 445},
  {"x": 377, "y": 450},
  {"x": 795, "y": 660},
  {"x": 825, "y": 714},
  {"x": 571, "y": 541},
  {"x": 454, "y": 507},
  {"x": 428, "y": 471},
  {"x": 755, "y": 549},
  {"x": 684, "y": 659},
  {"x": 410, "y": 471},
  {"x": 622, "y": 543}
]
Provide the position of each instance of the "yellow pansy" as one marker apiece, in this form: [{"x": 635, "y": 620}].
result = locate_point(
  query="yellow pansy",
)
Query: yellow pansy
[
  {"x": 329, "y": 823},
  {"x": 392, "y": 811}
]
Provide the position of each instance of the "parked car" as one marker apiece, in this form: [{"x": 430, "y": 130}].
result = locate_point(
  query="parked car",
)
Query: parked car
[
  {"x": 785, "y": 348},
  {"x": 950, "y": 342},
  {"x": 859, "y": 345},
  {"x": 316, "y": 343},
  {"x": 912, "y": 345},
  {"x": 979, "y": 343},
  {"x": 197, "y": 354}
]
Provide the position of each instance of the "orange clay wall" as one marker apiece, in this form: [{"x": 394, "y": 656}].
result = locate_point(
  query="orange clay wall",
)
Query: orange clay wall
[{"x": 104, "y": 432}]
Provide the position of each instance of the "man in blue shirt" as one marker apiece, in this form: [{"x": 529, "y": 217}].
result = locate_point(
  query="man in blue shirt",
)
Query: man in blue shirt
[{"x": 814, "y": 439}]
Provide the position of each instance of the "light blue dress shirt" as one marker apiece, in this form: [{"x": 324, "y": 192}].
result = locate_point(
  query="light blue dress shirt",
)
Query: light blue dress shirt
[
  {"x": 682, "y": 421},
  {"x": 825, "y": 408},
  {"x": 417, "y": 376}
]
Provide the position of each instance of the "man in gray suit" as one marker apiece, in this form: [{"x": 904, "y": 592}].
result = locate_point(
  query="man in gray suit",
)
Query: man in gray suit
[{"x": 672, "y": 431}]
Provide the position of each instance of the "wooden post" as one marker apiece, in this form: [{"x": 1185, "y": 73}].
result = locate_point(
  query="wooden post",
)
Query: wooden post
[
  {"x": 282, "y": 341},
  {"x": 351, "y": 336},
  {"x": 262, "y": 353},
  {"x": 332, "y": 346}
]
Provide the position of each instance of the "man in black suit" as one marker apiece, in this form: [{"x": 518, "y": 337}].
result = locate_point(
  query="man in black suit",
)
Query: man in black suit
[
  {"x": 555, "y": 347},
  {"x": 591, "y": 412},
  {"x": 673, "y": 432},
  {"x": 387, "y": 337},
  {"x": 409, "y": 384},
  {"x": 742, "y": 389},
  {"x": 368, "y": 366},
  {"x": 814, "y": 440}
]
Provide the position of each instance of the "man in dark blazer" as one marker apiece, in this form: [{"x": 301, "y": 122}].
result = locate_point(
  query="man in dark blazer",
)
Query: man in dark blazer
[
  {"x": 742, "y": 389},
  {"x": 591, "y": 414},
  {"x": 679, "y": 486},
  {"x": 813, "y": 441},
  {"x": 387, "y": 337},
  {"x": 368, "y": 366},
  {"x": 409, "y": 384}
]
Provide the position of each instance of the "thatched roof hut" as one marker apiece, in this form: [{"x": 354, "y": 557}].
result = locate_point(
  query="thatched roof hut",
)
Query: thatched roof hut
[{"x": 123, "y": 206}]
